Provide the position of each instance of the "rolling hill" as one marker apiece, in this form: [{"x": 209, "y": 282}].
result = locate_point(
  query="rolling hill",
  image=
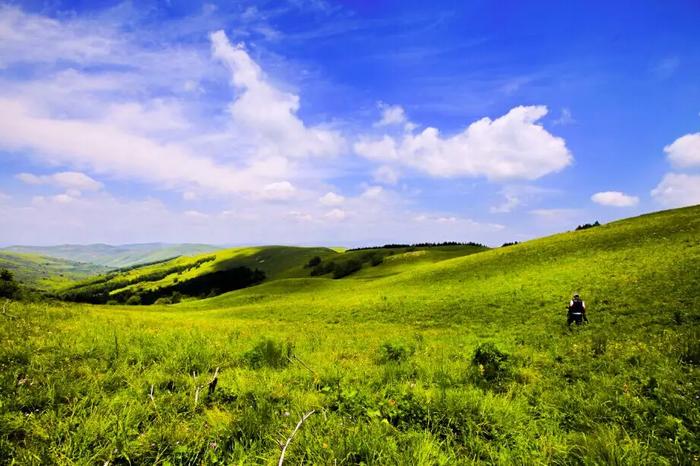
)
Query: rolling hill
[
  {"x": 115, "y": 256},
  {"x": 154, "y": 281},
  {"x": 423, "y": 358},
  {"x": 44, "y": 272}
]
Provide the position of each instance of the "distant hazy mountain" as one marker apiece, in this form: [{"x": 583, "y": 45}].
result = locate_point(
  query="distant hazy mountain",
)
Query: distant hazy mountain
[{"x": 115, "y": 256}]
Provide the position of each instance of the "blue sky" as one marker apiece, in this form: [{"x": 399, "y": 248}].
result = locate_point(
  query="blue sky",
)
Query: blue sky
[{"x": 342, "y": 122}]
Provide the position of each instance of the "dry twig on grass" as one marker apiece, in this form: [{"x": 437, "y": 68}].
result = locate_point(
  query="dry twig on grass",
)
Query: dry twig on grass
[{"x": 289, "y": 440}]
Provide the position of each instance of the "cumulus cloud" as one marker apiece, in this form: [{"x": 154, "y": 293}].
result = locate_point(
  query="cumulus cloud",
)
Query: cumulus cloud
[
  {"x": 67, "y": 180},
  {"x": 684, "y": 152},
  {"x": 391, "y": 115},
  {"x": 267, "y": 112},
  {"x": 336, "y": 214},
  {"x": 509, "y": 203},
  {"x": 331, "y": 199},
  {"x": 678, "y": 190},
  {"x": 386, "y": 175},
  {"x": 509, "y": 147},
  {"x": 279, "y": 191},
  {"x": 615, "y": 199}
]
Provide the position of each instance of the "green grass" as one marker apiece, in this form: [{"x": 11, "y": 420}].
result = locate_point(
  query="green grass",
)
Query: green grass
[
  {"x": 115, "y": 256},
  {"x": 278, "y": 262},
  {"x": 433, "y": 361},
  {"x": 44, "y": 272}
]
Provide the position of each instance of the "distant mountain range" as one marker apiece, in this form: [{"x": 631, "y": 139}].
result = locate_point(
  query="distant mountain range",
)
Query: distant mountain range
[{"x": 124, "y": 255}]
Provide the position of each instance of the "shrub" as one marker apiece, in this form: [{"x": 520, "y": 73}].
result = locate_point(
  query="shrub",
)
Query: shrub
[
  {"x": 269, "y": 353},
  {"x": 493, "y": 364},
  {"x": 599, "y": 345},
  {"x": 376, "y": 260},
  {"x": 344, "y": 269},
  {"x": 394, "y": 352},
  {"x": 690, "y": 350},
  {"x": 586, "y": 226},
  {"x": 8, "y": 286},
  {"x": 323, "y": 268},
  {"x": 313, "y": 262},
  {"x": 163, "y": 300},
  {"x": 134, "y": 300},
  {"x": 176, "y": 297}
]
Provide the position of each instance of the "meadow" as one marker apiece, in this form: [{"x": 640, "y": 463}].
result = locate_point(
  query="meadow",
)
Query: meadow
[{"x": 429, "y": 357}]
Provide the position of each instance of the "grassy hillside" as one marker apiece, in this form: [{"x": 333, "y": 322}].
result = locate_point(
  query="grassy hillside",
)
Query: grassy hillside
[
  {"x": 46, "y": 272},
  {"x": 277, "y": 262},
  {"x": 116, "y": 256},
  {"x": 459, "y": 361}
]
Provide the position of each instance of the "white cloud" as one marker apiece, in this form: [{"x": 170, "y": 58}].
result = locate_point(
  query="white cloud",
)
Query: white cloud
[
  {"x": 684, "y": 152},
  {"x": 116, "y": 124},
  {"x": 615, "y": 199},
  {"x": 68, "y": 180},
  {"x": 677, "y": 190},
  {"x": 74, "y": 40},
  {"x": 336, "y": 214},
  {"x": 372, "y": 192},
  {"x": 566, "y": 118},
  {"x": 279, "y": 191},
  {"x": 103, "y": 148},
  {"x": 386, "y": 174},
  {"x": 391, "y": 115},
  {"x": 331, "y": 199},
  {"x": 268, "y": 113},
  {"x": 196, "y": 215},
  {"x": 510, "y": 202},
  {"x": 512, "y": 146}
]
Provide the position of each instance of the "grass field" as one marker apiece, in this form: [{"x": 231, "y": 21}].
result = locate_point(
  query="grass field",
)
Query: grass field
[
  {"x": 425, "y": 358},
  {"x": 277, "y": 262},
  {"x": 46, "y": 273},
  {"x": 114, "y": 257}
]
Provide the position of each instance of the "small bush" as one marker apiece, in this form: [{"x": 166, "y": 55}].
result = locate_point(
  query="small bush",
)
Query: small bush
[
  {"x": 8, "y": 286},
  {"x": 134, "y": 300},
  {"x": 690, "y": 350},
  {"x": 322, "y": 268},
  {"x": 394, "y": 352},
  {"x": 163, "y": 301},
  {"x": 599, "y": 345},
  {"x": 313, "y": 262},
  {"x": 493, "y": 364},
  {"x": 586, "y": 226},
  {"x": 344, "y": 269},
  {"x": 269, "y": 353},
  {"x": 376, "y": 260},
  {"x": 176, "y": 297}
]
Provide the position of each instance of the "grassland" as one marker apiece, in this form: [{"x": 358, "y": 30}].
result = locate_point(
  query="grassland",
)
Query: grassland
[
  {"x": 276, "y": 262},
  {"x": 415, "y": 361},
  {"x": 47, "y": 273},
  {"x": 115, "y": 257}
]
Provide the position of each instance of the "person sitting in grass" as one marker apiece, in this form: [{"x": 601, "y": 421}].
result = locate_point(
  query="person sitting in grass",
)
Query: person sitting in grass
[{"x": 577, "y": 311}]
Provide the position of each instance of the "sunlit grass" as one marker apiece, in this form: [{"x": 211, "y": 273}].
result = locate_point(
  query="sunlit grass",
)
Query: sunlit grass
[{"x": 386, "y": 357}]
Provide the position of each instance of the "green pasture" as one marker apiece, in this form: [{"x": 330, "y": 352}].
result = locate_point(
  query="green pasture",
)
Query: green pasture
[
  {"x": 46, "y": 273},
  {"x": 430, "y": 357}
]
